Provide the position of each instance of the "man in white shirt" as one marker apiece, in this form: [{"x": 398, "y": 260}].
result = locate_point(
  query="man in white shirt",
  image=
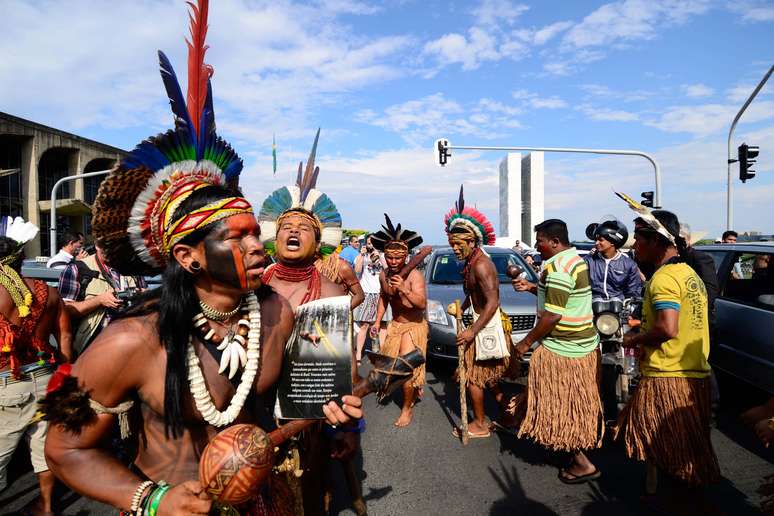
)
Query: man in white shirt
[{"x": 72, "y": 249}]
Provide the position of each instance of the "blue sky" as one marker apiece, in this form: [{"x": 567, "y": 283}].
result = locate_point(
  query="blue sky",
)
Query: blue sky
[{"x": 384, "y": 80}]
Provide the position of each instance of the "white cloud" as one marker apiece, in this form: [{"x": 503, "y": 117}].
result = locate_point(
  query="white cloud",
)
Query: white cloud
[
  {"x": 630, "y": 20},
  {"x": 470, "y": 51},
  {"x": 497, "y": 12},
  {"x": 600, "y": 90},
  {"x": 419, "y": 121},
  {"x": 559, "y": 68},
  {"x": 603, "y": 114},
  {"x": 485, "y": 41},
  {"x": 542, "y": 36},
  {"x": 753, "y": 11},
  {"x": 697, "y": 90},
  {"x": 709, "y": 118},
  {"x": 536, "y": 102},
  {"x": 72, "y": 69}
]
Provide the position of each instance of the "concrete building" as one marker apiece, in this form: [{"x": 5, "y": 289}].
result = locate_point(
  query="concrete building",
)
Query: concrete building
[
  {"x": 522, "y": 196},
  {"x": 32, "y": 158}
]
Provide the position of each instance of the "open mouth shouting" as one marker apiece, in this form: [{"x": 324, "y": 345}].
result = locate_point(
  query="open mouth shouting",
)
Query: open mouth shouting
[{"x": 293, "y": 243}]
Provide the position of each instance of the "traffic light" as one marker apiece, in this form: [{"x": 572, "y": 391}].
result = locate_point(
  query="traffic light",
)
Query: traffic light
[
  {"x": 441, "y": 151},
  {"x": 647, "y": 199},
  {"x": 747, "y": 155}
]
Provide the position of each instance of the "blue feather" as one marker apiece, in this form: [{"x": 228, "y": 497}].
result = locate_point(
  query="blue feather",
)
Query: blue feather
[
  {"x": 146, "y": 154},
  {"x": 176, "y": 100},
  {"x": 276, "y": 204},
  {"x": 207, "y": 124},
  {"x": 326, "y": 211}
]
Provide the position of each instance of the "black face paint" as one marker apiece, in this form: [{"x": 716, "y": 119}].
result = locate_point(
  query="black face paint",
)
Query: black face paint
[{"x": 225, "y": 257}]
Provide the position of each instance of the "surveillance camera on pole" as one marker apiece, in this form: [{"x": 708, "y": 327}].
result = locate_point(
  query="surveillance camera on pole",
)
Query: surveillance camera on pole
[{"x": 441, "y": 151}]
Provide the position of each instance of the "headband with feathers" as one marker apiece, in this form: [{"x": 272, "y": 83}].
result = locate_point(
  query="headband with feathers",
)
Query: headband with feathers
[
  {"x": 305, "y": 198},
  {"x": 132, "y": 213},
  {"x": 470, "y": 220},
  {"x": 390, "y": 234}
]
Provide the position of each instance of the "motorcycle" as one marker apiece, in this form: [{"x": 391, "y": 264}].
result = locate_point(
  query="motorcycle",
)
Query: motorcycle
[{"x": 620, "y": 373}]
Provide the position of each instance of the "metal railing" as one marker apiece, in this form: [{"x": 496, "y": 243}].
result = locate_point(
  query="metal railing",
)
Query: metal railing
[{"x": 52, "y": 229}]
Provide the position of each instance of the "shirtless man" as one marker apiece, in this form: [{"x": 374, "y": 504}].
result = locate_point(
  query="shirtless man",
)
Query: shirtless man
[
  {"x": 174, "y": 218},
  {"x": 468, "y": 230},
  {"x": 408, "y": 329},
  {"x": 300, "y": 236},
  {"x": 26, "y": 358}
]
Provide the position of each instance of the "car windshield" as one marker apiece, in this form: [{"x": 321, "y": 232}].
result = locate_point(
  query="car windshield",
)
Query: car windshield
[{"x": 448, "y": 271}]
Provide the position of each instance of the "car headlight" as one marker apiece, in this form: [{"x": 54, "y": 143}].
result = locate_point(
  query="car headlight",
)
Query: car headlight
[
  {"x": 607, "y": 324},
  {"x": 436, "y": 313}
]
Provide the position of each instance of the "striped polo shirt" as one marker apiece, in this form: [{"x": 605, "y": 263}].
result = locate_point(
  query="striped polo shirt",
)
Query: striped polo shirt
[{"x": 565, "y": 289}]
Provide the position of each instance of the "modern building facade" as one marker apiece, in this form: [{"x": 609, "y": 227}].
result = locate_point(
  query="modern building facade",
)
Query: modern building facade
[
  {"x": 32, "y": 158},
  {"x": 522, "y": 195}
]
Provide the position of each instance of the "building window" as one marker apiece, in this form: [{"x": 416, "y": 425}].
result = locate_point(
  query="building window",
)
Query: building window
[
  {"x": 11, "y": 203},
  {"x": 53, "y": 166}
]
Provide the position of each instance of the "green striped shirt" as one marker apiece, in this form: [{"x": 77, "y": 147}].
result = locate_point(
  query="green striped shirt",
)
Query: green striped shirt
[{"x": 565, "y": 289}]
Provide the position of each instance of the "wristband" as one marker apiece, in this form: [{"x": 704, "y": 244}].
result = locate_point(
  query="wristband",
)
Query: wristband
[
  {"x": 137, "y": 496},
  {"x": 155, "y": 500},
  {"x": 357, "y": 429},
  {"x": 771, "y": 423}
]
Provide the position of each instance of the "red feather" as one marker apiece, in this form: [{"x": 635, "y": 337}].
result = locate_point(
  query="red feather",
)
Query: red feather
[{"x": 199, "y": 72}]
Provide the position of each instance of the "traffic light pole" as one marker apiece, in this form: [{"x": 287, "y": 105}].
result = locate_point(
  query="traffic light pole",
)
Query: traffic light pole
[
  {"x": 656, "y": 168},
  {"x": 52, "y": 229},
  {"x": 731, "y": 160}
]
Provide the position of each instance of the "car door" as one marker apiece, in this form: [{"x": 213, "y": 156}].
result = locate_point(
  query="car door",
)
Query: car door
[{"x": 745, "y": 319}]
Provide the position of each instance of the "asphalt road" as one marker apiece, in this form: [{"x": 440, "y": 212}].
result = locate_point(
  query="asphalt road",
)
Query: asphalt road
[{"x": 422, "y": 469}]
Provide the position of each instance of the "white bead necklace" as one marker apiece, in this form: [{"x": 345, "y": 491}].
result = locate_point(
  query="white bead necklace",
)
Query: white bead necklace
[{"x": 202, "y": 398}]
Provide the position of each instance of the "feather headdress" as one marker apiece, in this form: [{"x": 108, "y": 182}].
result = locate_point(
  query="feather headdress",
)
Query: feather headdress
[
  {"x": 646, "y": 215},
  {"x": 391, "y": 234},
  {"x": 303, "y": 197},
  {"x": 21, "y": 232},
  {"x": 18, "y": 229},
  {"x": 464, "y": 218},
  {"x": 133, "y": 211}
]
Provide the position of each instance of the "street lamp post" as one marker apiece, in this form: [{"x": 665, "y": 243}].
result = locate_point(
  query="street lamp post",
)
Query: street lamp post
[
  {"x": 657, "y": 170},
  {"x": 731, "y": 161},
  {"x": 52, "y": 230}
]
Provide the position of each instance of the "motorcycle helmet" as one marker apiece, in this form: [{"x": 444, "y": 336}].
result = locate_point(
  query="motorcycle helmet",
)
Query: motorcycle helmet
[{"x": 614, "y": 231}]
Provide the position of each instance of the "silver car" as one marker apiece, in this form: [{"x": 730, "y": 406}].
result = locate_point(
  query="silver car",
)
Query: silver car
[
  {"x": 743, "y": 337},
  {"x": 443, "y": 274}
]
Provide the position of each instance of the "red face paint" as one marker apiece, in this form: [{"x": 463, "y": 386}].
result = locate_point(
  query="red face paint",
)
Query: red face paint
[{"x": 227, "y": 247}]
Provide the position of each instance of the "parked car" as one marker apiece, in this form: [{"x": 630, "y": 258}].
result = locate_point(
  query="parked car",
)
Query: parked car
[
  {"x": 443, "y": 275},
  {"x": 743, "y": 337}
]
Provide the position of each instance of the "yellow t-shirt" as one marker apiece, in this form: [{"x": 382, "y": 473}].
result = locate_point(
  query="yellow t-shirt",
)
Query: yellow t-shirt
[{"x": 677, "y": 287}]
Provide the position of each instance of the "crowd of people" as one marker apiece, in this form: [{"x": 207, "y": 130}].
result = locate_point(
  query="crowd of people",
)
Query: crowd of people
[{"x": 164, "y": 371}]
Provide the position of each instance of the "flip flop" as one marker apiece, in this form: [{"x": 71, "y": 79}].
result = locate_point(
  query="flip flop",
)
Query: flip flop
[
  {"x": 457, "y": 432},
  {"x": 579, "y": 479}
]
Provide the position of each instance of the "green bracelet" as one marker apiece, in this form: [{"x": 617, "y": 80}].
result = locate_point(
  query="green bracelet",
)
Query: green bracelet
[{"x": 156, "y": 498}]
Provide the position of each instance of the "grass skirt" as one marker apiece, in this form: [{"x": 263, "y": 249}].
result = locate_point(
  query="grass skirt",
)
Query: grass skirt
[
  {"x": 561, "y": 408},
  {"x": 667, "y": 422},
  {"x": 483, "y": 373},
  {"x": 418, "y": 333}
]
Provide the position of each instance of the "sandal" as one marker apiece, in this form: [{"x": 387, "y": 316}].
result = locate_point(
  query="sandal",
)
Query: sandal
[
  {"x": 578, "y": 479},
  {"x": 457, "y": 432}
]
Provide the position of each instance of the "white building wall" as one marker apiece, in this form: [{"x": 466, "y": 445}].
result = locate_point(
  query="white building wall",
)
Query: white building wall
[
  {"x": 532, "y": 194},
  {"x": 510, "y": 195}
]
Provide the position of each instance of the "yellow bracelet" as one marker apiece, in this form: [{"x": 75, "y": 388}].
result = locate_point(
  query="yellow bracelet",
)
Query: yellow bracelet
[{"x": 771, "y": 423}]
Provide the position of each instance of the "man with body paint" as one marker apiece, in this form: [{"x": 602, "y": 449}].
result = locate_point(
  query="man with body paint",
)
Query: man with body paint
[{"x": 201, "y": 352}]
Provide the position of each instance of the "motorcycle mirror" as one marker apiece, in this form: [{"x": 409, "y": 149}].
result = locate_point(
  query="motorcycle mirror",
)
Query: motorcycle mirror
[{"x": 590, "y": 230}]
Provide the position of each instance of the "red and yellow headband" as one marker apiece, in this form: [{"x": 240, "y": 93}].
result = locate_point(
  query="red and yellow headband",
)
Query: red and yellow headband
[{"x": 202, "y": 217}]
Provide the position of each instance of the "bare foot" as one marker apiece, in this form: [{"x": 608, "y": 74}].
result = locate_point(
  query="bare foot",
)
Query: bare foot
[
  {"x": 404, "y": 419},
  {"x": 36, "y": 508}
]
